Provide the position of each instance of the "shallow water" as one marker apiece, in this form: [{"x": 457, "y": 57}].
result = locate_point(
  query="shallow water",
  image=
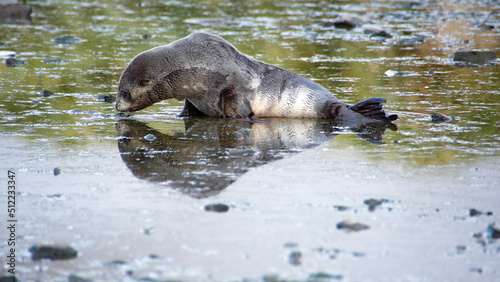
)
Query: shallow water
[{"x": 134, "y": 208}]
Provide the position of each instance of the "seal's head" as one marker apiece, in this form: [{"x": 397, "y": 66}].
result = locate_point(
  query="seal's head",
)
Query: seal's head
[{"x": 141, "y": 84}]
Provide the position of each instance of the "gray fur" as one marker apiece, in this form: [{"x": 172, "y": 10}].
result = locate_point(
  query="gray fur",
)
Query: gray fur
[{"x": 217, "y": 80}]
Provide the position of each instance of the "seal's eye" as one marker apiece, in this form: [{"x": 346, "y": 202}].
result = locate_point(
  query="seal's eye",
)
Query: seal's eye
[{"x": 144, "y": 82}]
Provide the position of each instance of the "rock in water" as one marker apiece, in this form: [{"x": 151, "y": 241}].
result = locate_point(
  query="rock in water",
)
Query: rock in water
[
  {"x": 438, "y": 117},
  {"x": 474, "y": 57},
  {"x": 67, "y": 39}
]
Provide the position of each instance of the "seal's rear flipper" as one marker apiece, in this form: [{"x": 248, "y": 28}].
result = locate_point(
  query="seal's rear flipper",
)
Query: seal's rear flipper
[
  {"x": 372, "y": 108},
  {"x": 190, "y": 110}
]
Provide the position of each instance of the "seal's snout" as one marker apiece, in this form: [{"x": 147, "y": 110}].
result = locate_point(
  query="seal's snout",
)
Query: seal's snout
[{"x": 124, "y": 99}]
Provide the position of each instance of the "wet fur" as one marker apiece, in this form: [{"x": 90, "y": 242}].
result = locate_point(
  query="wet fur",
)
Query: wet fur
[{"x": 217, "y": 80}]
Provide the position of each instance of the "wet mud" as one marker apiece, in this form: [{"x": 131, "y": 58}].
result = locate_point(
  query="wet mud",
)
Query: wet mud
[{"x": 107, "y": 196}]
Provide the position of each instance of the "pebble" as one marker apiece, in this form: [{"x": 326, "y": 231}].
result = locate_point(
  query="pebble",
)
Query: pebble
[
  {"x": 217, "y": 208},
  {"x": 150, "y": 137},
  {"x": 56, "y": 171},
  {"x": 352, "y": 226},
  {"x": 493, "y": 232},
  {"x": 295, "y": 258},
  {"x": 372, "y": 204},
  {"x": 52, "y": 252}
]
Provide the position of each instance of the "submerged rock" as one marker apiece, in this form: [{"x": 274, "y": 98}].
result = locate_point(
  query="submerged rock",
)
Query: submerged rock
[
  {"x": 474, "y": 57},
  {"x": 411, "y": 41},
  {"x": 352, "y": 226},
  {"x": 13, "y": 62},
  {"x": 52, "y": 252},
  {"x": 438, "y": 117},
  {"x": 344, "y": 23},
  {"x": 46, "y": 93},
  {"x": 67, "y": 39},
  {"x": 11, "y": 11},
  {"x": 217, "y": 208},
  {"x": 374, "y": 32}
]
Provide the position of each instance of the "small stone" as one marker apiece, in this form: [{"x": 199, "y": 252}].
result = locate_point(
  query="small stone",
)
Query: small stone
[
  {"x": 146, "y": 36},
  {"x": 52, "y": 252},
  {"x": 150, "y": 137},
  {"x": 56, "y": 171},
  {"x": 352, "y": 226},
  {"x": 217, "y": 208},
  {"x": 474, "y": 57},
  {"x": 493, "y": 232},
  {"x": 295, "y": 258},
  {"x": 46, "y": 93},
  {"x": 372, "y": 204},
  {"x": 341, "y": 208},
  {"x": 474, "y": 212}
]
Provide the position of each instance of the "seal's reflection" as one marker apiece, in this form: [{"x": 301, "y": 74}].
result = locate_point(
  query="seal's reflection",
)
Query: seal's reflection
[{"x": 212, "y": 153}]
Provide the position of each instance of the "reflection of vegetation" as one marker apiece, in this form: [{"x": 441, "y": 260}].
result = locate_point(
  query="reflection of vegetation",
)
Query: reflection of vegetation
[{"x": 284, "y": 33}]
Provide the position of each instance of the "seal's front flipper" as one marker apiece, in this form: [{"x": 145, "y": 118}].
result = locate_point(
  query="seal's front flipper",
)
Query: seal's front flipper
[
  {"x": 190, "y": 110},
  {"x": 372, "y": 108}
]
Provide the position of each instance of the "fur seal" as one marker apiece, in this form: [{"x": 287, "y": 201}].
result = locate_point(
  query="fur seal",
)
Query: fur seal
[{"x": 217, "y": 80}]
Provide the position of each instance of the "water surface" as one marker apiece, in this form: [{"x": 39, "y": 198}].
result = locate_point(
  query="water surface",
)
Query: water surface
[{"x": 282, "y": 180}]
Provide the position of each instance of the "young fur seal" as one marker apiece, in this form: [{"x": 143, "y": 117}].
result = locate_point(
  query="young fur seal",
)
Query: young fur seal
[{"x": 217, "y": 80}]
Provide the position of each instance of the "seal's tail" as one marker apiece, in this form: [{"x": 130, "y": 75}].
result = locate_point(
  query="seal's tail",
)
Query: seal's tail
[{"x": 372, "y": 108}]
